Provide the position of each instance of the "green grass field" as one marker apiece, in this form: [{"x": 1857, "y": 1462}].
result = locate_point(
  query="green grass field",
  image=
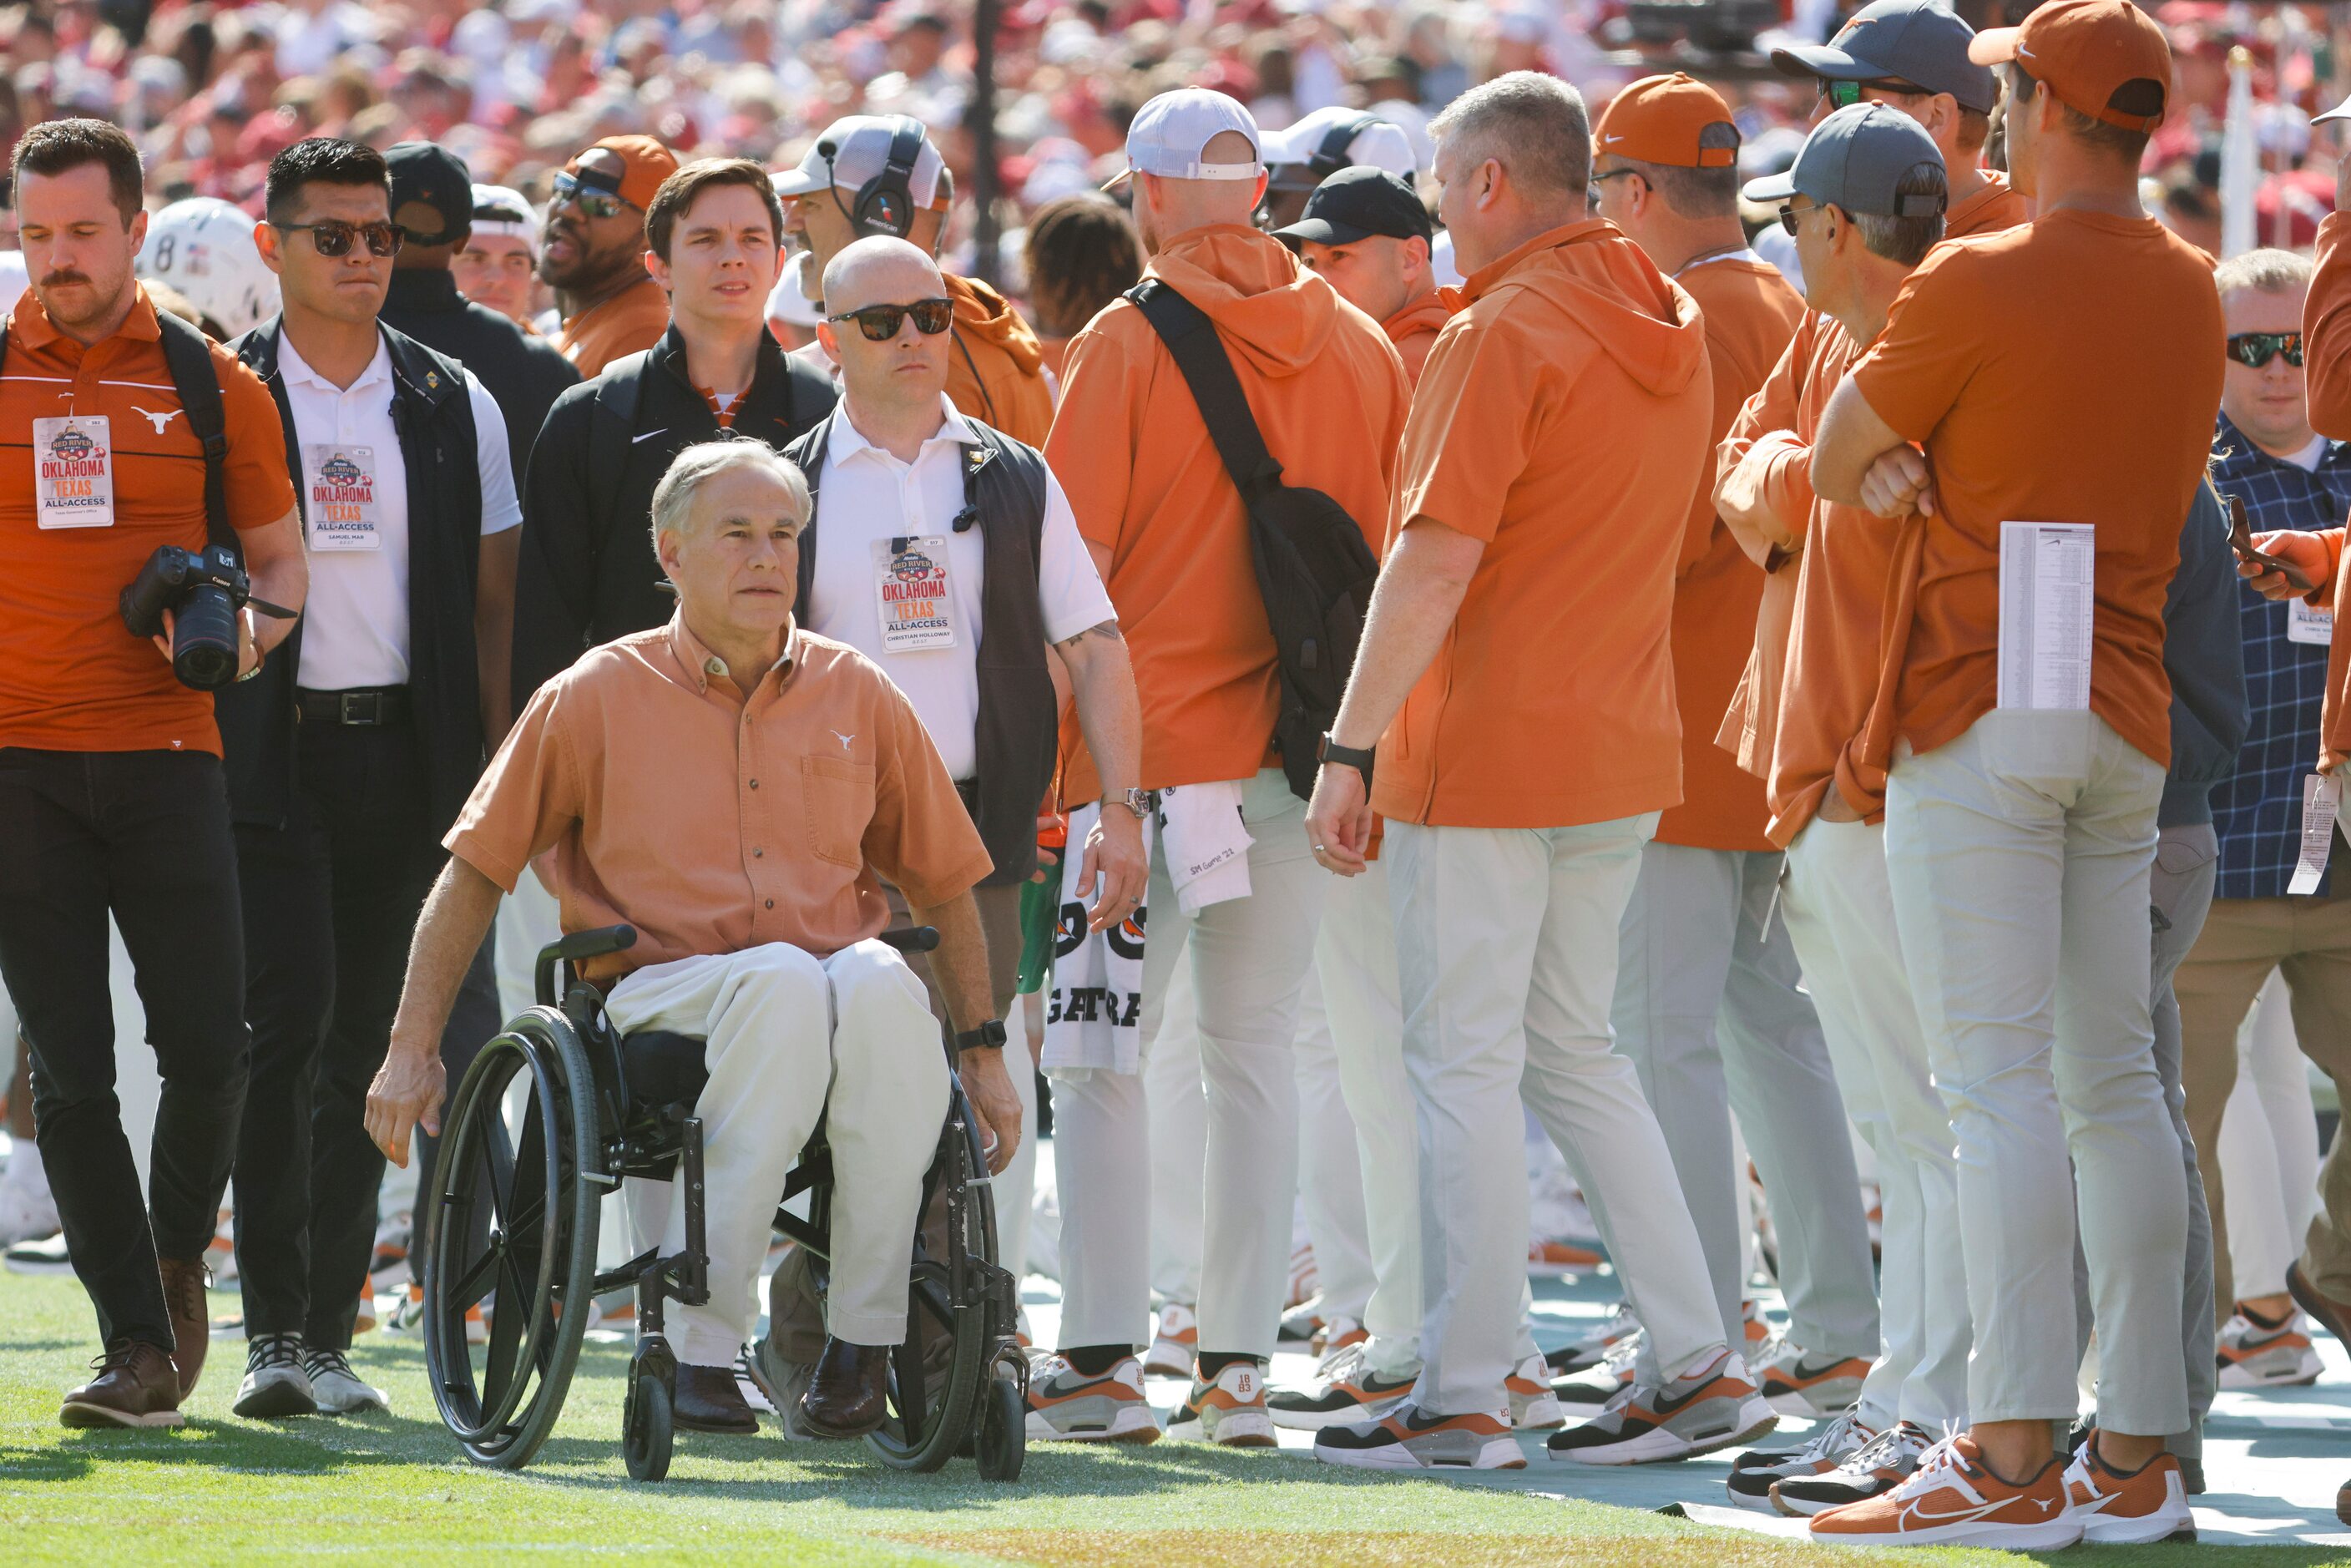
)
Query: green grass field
[{"x": 226, "y": 1490}]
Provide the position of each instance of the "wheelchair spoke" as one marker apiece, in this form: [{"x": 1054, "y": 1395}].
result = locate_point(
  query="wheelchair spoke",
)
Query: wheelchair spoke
[
  {"x": 474, "y": 1282},
  {"x": 933, "y": 1297}
]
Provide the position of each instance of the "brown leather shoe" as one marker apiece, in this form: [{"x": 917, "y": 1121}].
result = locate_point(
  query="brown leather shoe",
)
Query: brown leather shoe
[
  {"x": 136, "y": 1385},
  {"x": 192, "y": 1319},
  {"x": 844, "y": 1398},
  {"x": 708, "y": 1401}
]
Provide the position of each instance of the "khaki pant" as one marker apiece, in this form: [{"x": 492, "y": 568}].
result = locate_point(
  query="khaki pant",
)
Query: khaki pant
[{"x": 2308, "y": 940}]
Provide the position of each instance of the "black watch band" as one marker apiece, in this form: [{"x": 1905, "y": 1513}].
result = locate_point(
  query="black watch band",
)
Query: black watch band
[
  {"x": 988, "y": 1036},
  {"x": 1330, "y": 750}
]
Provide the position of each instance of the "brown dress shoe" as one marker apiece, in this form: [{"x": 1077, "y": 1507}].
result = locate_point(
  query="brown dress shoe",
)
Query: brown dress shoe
[
  {"x": 192, "y": 1321},
  {"x": 845, "y": 1394},
  {"x": 708, "y": 1401},
  {"x": 136, "y": 1385}
]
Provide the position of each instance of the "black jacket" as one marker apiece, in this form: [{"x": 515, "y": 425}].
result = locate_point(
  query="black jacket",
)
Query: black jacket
[
  {"x": 587, "y": 573},
  {"x": 434, "y": 416},
  {"x": 523, "y": 374},
  {"x": 2205, "y": 658},
  {"x": 1017, "y": 730}
]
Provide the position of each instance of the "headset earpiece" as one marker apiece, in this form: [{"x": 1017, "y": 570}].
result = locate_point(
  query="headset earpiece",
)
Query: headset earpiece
[{"x": 886, "y": 204}]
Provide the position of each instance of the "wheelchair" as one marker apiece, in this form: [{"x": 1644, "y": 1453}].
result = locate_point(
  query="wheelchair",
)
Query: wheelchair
[{"x": 595, "y": 1108}]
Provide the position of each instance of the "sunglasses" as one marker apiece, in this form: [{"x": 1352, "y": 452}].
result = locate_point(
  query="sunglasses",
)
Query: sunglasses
[
  {"x": 596, "y": 203},
  {"x": 2258, "y": 349},
  {"x": 333, "y": 236},
  {"x": 880, "y": 322},
  {"x": 1790, "y": 213},
  {"x": 1845, "y": 94},
  {"x": 1592, "y": 189}
]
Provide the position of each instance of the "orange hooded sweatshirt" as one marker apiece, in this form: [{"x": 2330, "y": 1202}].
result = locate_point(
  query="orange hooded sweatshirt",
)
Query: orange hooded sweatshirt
[
  {"x": 1413, "y": 330},
  {"x": 1563, "y": 418},
  {"x": 996, "y": 368},
  {"x": 1151, "y": 495}
]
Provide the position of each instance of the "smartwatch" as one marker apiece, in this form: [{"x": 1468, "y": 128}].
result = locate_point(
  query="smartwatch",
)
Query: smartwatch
[
  {"x": 988, "y": 1036},
  {"x": 1330, "y": 750}
]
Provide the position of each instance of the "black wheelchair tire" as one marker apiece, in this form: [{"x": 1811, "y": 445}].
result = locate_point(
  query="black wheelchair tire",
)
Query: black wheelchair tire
[
  {"x": 647, "y": 1429},
  {"x": 507, "y": 1430},
  {"x": 1002, "y": 1440},
  {"x": 947, "y": 1426}
]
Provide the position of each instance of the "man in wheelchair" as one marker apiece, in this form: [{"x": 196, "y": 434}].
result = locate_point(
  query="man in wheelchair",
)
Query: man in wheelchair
[{"x": 731, "y": 786}]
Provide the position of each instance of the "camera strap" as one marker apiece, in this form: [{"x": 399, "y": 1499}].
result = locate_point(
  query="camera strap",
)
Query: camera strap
[{"x": 187, "y": 353}]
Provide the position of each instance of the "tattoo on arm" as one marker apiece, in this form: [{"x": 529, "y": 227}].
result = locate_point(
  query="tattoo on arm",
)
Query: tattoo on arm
[{"x": 1106, "y": 630}]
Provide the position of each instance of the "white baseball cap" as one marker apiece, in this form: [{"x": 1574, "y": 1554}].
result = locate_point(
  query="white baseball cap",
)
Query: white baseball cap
[
  {"x": 1330, "y": 139},
  {"x": 1171, "y": 131},
  {"x": 791, "y": 300},
  {"x": 499, "y": 211},
  {"x": 860, "y": 144}
]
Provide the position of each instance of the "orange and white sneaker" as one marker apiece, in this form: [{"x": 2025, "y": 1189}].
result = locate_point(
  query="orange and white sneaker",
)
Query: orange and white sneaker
[
  {"x": 1336, "y": 1335},
  {"x": 408, "y": 1317},
  {"x": 1806, "y": 1386},
  {"x": 1305, "y": 1277},
  {"x": 1229, "y": 1410},
  {"x": 1715, "y": 1406},
  {"x": 2150, "y": 1503},
  {"x": 1757, "y": 1329},
  {"x": 1407, "y": 1440},
  {"x": 1065, "y": 1404},
  {"x": 2255, "y": 1353},
  {"x": 1533, "y": 1407},
  {"x": 1953, "y": 1499},
  {"x": 1175, "y": 1344},
  {"x": 363, "y": 1321},
  {"x": 1548, "y": 1257}
]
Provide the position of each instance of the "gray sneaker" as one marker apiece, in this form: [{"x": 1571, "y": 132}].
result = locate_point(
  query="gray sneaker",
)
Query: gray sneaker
[
  {"x": 275, "y": 1385},
  {"x": 1715, "y": 1407},
  {"x": 337, "y": 1388},
  {"x": 780, "y": 1382}
]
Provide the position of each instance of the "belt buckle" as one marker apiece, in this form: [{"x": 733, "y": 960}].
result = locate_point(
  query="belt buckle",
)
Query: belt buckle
[{"x": 346, "y": 706}]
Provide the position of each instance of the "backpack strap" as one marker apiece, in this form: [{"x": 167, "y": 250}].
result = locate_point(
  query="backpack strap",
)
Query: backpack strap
[
  {"x": 1191, "y": 338},
  {"x": 189, "y": 354}
]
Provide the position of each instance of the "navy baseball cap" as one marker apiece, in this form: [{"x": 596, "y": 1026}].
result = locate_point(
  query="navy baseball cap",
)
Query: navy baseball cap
[
  {"x": 1357, "y": 203},
  {"x": 1857, "y": 159},
  {"x": 1915, "y": 41}
]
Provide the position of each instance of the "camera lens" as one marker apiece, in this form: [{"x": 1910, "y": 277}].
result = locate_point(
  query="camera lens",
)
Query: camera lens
[{"x": 203, "y": 640}]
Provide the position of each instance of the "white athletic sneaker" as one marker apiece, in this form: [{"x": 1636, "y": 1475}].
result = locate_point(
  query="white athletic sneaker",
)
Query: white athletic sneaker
[
  {"x": 1806, "y": 1386},
  {"x": 1064, "y": 1404},
  {"x": 275, "y": 1385},
  {"x": 337, "y": 1388},
  {"x": 1754, "y": 1473},
  {"x": 1717, "y": 1405},
  {"x": 1230, "y": 1411},
  {"x": 1407, "y": 1441},
  {"x": 26, "y": 1213},
  {"x": 2258, "y": 1355},
  {"x": 1590, "y": 1348},
  {"x": 44, "y": 1256},
  {"x": 1533, "y": 1407},
  {"x": 1175, "y": 1344}
]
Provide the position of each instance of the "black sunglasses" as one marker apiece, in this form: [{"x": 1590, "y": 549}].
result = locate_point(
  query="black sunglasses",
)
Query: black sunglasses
[
  {"x": 333, "y": 236},
  {"x": 1845, "y": 94},
  {"x": 880, "y": 322},
  {"x": 596, "y": 203},
  {"x": 1592, "y": 188},
  {"x": 2257, "y": 348},
  {"x": 1790, "y": 213}
]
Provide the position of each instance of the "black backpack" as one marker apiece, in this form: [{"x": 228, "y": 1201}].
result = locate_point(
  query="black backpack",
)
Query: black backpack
[{"x": 1313, "y": 566}]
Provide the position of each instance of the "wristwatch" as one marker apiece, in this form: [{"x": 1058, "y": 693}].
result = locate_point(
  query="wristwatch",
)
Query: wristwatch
[
  {"x": 988, "y": 1036},
  {"x": 1135, "y": 801},
  {"x": 1330, "y": 750}
]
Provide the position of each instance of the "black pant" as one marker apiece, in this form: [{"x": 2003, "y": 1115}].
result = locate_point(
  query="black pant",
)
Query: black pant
[
  {"x": 331, "y": 904},
  {"x": 145, "y": 834}
]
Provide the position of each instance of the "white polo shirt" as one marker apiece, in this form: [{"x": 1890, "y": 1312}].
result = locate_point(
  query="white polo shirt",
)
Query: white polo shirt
[
  {"x": 354, "y": 487},
  {"x": 865, "y": 499}
]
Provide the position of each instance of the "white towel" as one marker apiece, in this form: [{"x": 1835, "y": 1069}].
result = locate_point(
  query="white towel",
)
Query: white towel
[
  {"x": 1096, "y": 1003},
  {"x": 1207, "y": 846}
]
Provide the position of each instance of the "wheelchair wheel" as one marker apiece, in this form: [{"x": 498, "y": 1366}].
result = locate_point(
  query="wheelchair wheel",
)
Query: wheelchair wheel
[
  {"x": 523, "y": 1176},
  {"x": 1002, "y": 1440},
  {"x": 933, "y": 1399},
  {"x": 646, "y": 1432}
]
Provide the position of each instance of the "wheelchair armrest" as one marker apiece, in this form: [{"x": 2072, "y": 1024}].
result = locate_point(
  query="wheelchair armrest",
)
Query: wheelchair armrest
[
  {"x": 913, "y": 938},
  {"x": 571, "y": 949}
]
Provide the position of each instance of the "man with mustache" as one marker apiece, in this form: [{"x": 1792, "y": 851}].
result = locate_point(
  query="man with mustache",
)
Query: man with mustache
[{"x": 593, "y": 252}]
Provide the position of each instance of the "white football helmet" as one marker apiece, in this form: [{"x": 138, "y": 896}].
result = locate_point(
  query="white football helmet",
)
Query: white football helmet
[{"x": 203, "y": 248}]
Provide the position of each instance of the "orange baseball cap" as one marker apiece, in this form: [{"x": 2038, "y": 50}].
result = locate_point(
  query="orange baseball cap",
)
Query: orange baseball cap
[
  {"x": 644, "y": 164},
  {"x": 2086, "y": 51},
  {"x": 1658, "y": 120}
]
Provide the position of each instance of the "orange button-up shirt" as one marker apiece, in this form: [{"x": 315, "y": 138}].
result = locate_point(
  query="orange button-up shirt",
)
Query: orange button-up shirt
[{"x": 713, "y": 824}]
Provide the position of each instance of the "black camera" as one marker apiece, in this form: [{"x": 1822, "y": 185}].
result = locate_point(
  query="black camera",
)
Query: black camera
[{"x": 203, "y": 590}]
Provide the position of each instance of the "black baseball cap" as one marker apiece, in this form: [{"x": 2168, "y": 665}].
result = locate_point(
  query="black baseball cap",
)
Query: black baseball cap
[
  {"x": 424, "y": 172},
  {"x": 1357, "y": 203}
]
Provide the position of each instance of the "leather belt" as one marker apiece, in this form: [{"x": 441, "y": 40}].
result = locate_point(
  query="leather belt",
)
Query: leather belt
[{"x": 386, "y": 705}]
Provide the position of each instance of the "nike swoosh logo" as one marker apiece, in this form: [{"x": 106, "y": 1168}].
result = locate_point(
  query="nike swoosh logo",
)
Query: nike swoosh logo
[
  {"x": 1666, "y": 1407},
  {"x": 648, "y": 436}
]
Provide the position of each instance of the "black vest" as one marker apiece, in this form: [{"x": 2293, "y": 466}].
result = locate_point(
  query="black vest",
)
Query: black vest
[
  {"x": 435, "y": 417},
  {"x": 1018, "y": 726}
]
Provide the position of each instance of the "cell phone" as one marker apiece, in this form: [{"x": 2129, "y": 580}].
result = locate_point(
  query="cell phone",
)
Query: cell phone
[{"x": 2240, "y": 539}]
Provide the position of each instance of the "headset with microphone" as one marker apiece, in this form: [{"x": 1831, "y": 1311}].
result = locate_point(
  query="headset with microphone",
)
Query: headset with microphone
[
  {"x": 1336, "y": 150},
  {"x": 886, "y": 204}
]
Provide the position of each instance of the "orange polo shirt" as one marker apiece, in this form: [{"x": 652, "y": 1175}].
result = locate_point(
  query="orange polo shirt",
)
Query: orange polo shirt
[
  {"x": 1148, "y": 488},
  {"x": 72, "y": 678},
  {"x": 2024, "y": 362},
  {"x": 2326, "y": 369},
  {"x": 1562, "y": 419},
  {"x": 712, "y": 824},
  {"x": 1750, "y": 313},
  {"x": 1413, "y": 330},
  {"x": 995, "y": 367},
  {"x": 1995, "y": 207},
  {"x": 632, "y": 320}
]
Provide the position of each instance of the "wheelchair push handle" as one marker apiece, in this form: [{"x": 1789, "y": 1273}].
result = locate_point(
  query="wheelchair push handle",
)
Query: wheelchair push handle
[
  {"x": 913, "y": 938},
  {"x": 571, "y": 949}
]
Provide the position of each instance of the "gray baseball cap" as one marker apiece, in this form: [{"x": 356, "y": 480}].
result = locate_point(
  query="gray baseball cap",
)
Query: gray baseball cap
[
  {"x": 1915, "y": 41},
  {"x": 1854, "y": 159}
]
